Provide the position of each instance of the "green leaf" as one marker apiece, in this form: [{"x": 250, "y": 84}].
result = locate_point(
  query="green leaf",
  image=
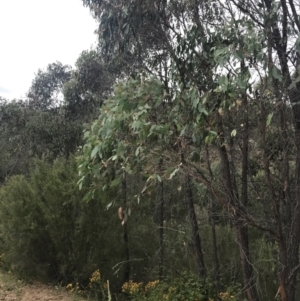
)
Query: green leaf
[
  {"x": 269, "y": 119},
  {"x": 136, "y": 124},
  {"x": 137, "y": 152},
  {"x": 88, "y": 196},
  {"x": 115, "y": 182},
  {"x": 169, "y": 171},
  {"x": 109, "y": 205},
  {"x": 94, "y": 151},
  {"x": 233, "y": 133},
  {"x": 213, "y": 133},
  {"x": 80, "y": 182},
  {"x": 195, "y": 157},
  {"x": 176, "y": 108},
  {"x": 195, "y": 101},
  {"x": 114, "y": 157},
  {"x": 276, "y": 73}
]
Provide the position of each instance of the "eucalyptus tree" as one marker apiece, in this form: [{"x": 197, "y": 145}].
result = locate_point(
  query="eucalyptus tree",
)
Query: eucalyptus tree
[
  {"x": 13, "y": 141},
  {"x": 271, "y": 50},
  {"x": 46, "y": 90},
  {"x": 231, "y": 83},
  {"x": 133, "y": 136},
  {"x": 88, "y": 86},
  {"x": 171, "y": 35},
  {"x": 60, "y": 100}
]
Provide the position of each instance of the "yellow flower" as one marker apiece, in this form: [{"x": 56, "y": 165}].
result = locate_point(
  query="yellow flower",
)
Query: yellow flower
[
  {"x": 131, "y": 287},
  {"x": 225, "y": 296},
  {"x": 151, "y": 284},
  {"x": 69, "y": 286},
  {"x": 172, "y": 290},
  {"x": 96, "y": 276}
]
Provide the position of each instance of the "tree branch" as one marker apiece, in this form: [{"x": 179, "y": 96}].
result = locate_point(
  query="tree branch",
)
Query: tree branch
[
  {"x": 246, "y": 11},
  {"x": 296, "y": 20}
]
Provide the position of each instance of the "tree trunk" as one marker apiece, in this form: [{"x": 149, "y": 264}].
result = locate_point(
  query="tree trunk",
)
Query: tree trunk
[
  {"x": 161, "y": 232},
  {"x": 240, "y": 227},
  {"x": 287, "y": 221},
  {"x": 247, "y": 269},
  {"x": 215, "y": 248},
  {"x": 195, "y": 229},
  {"x": 213, "y": 230},
  {"x": 125, "y": 233}
]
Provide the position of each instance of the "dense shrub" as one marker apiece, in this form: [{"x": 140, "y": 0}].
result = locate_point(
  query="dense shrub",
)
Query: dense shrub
[
  {"x": 187, "y": 287},
  {"x": 48, "y": 232}
]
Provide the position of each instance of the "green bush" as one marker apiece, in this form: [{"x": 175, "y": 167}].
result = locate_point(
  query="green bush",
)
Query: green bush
[
  {"x": 48, "y": 232},
  {"x": 188, "y": 287},
  {"x": 22, "y": 230}
]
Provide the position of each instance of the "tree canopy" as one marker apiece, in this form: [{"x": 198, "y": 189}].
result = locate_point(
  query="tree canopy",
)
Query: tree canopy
[{"x": 226, "y": 84}]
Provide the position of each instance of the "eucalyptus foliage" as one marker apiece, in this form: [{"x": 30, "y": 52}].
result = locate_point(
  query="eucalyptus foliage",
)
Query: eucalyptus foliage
[{"x": 229, "y": 96}]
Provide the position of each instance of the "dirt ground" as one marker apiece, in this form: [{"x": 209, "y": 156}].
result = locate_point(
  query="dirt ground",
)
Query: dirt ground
[{"x": 15, "y": 290}]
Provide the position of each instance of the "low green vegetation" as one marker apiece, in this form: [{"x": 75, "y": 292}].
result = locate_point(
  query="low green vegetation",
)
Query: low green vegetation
[{"x": 49, "y": 232}]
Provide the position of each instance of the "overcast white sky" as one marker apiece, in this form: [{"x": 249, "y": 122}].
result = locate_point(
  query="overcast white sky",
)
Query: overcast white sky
[{"x": 35, "y": 33}]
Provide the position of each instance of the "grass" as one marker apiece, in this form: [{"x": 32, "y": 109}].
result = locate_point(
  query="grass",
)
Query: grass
[
  {"x": 12, "y": 288},
  {"x": 9, "y": 285}
]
